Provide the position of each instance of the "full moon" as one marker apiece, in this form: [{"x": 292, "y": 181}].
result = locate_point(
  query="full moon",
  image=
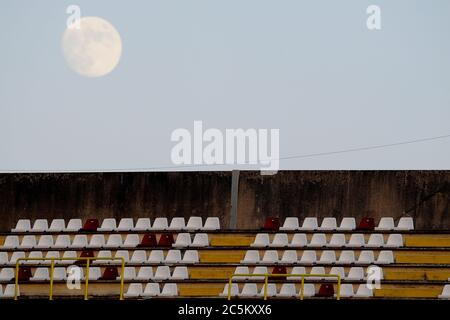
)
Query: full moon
[{"x": 93, "y": 49}]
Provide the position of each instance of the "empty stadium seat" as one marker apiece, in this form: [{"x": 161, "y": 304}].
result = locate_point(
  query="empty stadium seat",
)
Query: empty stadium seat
[
  {"x": 271, "y": 224},
  {"x": 97, "y": 241},
  {"x": 160, "y": 224},
  {"x": 316, "y": 270},
  {"x": 28, "y": 242},
  {"x": 45, "y": 242},
  {"x": 298, "y": 240},
  {"x": 34, "y": 255},
  {"x": 366, "y": 224},
  {"x": 52, "y": 254},
  {"x": 234, "y": 290},
  {"x": 365, "y": 257},
  {"x": 110, "y": 273},
  {"x": 169, "y": 290},
  {"x": 40, "y": 274},
  {"x": 24, "y": 273},
  {"x": 103, "y": 254},
  {"x": 376, "y": 240},
  {"x": 445, "y": 292},
  {"x": 259, "y": 270},
  {"x": 337, "y": 240},
  {"x": 355, "y": 273},
  {"x": 145, "y": 273},
  {"x": 200, "y": 240},
  {"x": 318, "y": 240},
  {"x": 328, "y": 224},
  {"x": 79, "y": 241},
  {"x": 122, "y": 254},
  {"x": 290, "y": 223},
  {"x": 149, "y": 240},
  {"x": 325, "y": 290},
  {"x": 69, "y": 255},
  {"x": 308, "y": 257},
  {"x": 296, "y": 270},
  {"x": 394, "y": 241},
  {"x": 151, "y": 290},
  {"x": 287, "y": 290},
  {"x": 279, "y": 240},
  {"x": 289, "y": 256},
  {"x": 114, "y": 241},
  {"x": 3, "y": 258},
  {"x": 7, "y": 274},
  {"x": 270, "y": 256},
  {"x": 125, "y": 224},
  {"x": 90, "y": 225},
  {"x": 165, "y": 240},
  {"x": 129, "y": 273},
  {"x": 85, "y": 254},
  {"x": 385, "y": 257},
  {"x": 261, "y": 240},
  {"x": 405, "y": 223},
  {"x": 134, "y": 291},
  {"x": 249, "y": 290},
  {"x": 309, "y": 224},
  {"x": 347, "y": 224},
  {"x": 386, "y": 223},
  {"x": 363, "y": 292},
  {"x": 346, "y": 290},
  {"x": 309, "y": 290},
  {"x": 142, "y": 224},
  {"x": 338, "y": 271},
  {"x": 180, "y": 273},
  {"x": 131, "y": 241},
  {"x": 173, "y": 256},
  {"x": 327, "y": 257},
  {"x": 23, "y": 225},
  {"x": 40, "y": 225},
  {"x": 59, "y": 274},
  {"x": 10, "y": 290},
  {"x": 162, "y": 273},
  {"x": 62, "y": 241},
  {"x": 108, "y": 224},
  {"x": 356, "y": 240},
  {"x": 138, "y": 256},
  {"x": 182, "y": 240},
  {"x": 271, "y": 290},
  {"x": 241, "y": 270},
  {"x": 212, "y": 223},
  {"x": 156, "y": 256},
  {"x": 281, "y": 271},
  {"x": 190, "y": 256},
  {"x": 15, "y": 256},
  {"x": 177, "y": 223},
  {"x": 74, "y": 225},
  {"x": 57, "y": 225},
  {"x": 11, "y": 242},
  {"x": 346, "y": 257},
  {"x": 194, "y": 223}
]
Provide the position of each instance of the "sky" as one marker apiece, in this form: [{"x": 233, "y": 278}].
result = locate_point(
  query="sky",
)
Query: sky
[{"x": 311, "y": 69}]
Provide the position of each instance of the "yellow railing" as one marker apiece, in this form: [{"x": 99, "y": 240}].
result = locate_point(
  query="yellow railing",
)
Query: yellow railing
[
  {"x": 52, "y": 269},
  {"x": 303, "y": 276}
]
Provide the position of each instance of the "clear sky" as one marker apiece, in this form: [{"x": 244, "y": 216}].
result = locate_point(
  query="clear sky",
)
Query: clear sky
[{"x": 310, "y": 68}]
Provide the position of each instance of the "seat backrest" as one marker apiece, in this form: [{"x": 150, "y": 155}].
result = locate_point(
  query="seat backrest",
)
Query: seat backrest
[
  {"x": 40, "y": 225},
  {"x": 299, "y": 240},
  {"x": 270, "y": 256},
  {"x": 337, "y": 240},
  {"x": 194, "y": 223},
  {"x": 261, "y": 240},
  {"x": 405, "y": 223},
  {"x": 142, "y": 224},
  {"x": 375, "y": 240},
  {"x": 309, "y": 256},
  {"x": 347, "y": 223},
  {"x": 200, "y": 240},
  {"x": 152, "y": 289},
  {"x": 166, "y": 240},
  {"x": 108, "y": 224},
  {"x": 160, "y": 224},
  {"x": 45, "y": 241},
  {"x": 177, "y": 223},
  {"x": 74, "y": 225},
  {"x": 180, "y": 273},
  {"x": 290, "y": 223},
  {"x": 23, "y": 225},
  {"x": 90, "y": 225},
  {"x": 114, "y": 240},
  {"x": 328, "y": 256},
  {"x": 149, "y": 240},
  {"x": 212, "y": 223},
  {"x": 271, "y": 224},
  {"x": 162, "y": 272},
  {"x": 252, "y": 256},
  {"x": 289, "y": 256},
  {"x": 182, "y": 240},
  {"x": 386, "y": 223},
  {"x": 355, "y": 273},
  {"x": 318, "y": 240},
  {"x": 145, "y": 273},
  {"x": 347, "y": 256},
  {"x": 156, "y": 256},
  {"x": 328, "y": 224},
  {"x": 131, "y": 240},
  {"x": 139, "y": 256},
  {"x": 310, "y": 223},
  {"x": 125, "y": 224},
  {"x": 249, "y": 289},
  {"x": 394, "y": 240},
  {"x": 57, "y": 225},
  {"x": 280, "y": 240},
  {"x": 190, "y": 256},
  {"x": 173, "y": 256}
]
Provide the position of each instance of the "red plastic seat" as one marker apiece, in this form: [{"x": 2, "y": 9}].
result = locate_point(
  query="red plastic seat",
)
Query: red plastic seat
[
  {"x": 149, "y": 240},
  {"x": 85, "y": 254},
  {"x": 326, "y": 290},
  {"x": 90, "y": 225},
  {"x": 272, "y": 224},
  {"x": 166, "y": 240},
  {"x": 24, "y": 273},
  {"x": 366, "y": 224},
  {"x": 110, "y": 273},
  {"x": 278, "y": 270}
]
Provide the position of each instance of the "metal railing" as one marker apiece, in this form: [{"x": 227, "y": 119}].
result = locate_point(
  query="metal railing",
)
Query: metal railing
[
  {"x": 302, "y": 283},
  {"x": 52, "y": 269}
]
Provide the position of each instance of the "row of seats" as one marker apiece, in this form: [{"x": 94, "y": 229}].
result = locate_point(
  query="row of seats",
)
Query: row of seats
[
  {"x": 354, "y": 273},
  {"x": 375, "y": 240},
  {"x": 101, "y": 241},
  {"x": 137, "y": 256},
  {"x": 291, "y": 290},
  {"x": 61, "y": 274},
  {"x": 310, "y": 257},
  {"x": 311, "y": 223},
  {"x": 137, "y": 290},
  {"x": 110, "y": 224}
]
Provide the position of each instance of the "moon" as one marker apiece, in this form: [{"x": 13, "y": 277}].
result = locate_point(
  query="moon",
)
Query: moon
[{"x": 94, "y": 48}]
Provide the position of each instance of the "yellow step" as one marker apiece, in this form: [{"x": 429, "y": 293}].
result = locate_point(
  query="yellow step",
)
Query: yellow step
[
  {"x": 427, "y": 240},
  {"x": 411, "y": 291}
]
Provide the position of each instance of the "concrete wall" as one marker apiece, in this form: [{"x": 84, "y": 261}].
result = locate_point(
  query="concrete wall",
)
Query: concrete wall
[{"x": 425, "y": 195}]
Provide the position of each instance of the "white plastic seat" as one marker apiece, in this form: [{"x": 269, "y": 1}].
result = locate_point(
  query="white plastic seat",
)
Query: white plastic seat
[
  {"x": 347, "y": 257},
  {"x": 271, "y": 290},
  {"x": 355, "y": 273},
  {"x": 23, "y": 225},
  {"x": 74, "y": 225},
  {"x": 289, "y": 256},
  {"x": 59, "y": 274},
  {"x": 52, "y": 254},
  {"x": 385, "y": 257},
  {"x": 173, "y": 256},
  {"x": 296, "y": 270},
  {"x": 251, "y": 256},
  {"x": 79, "y": 241},
  {"x": 337, "y": 240},
  {"x": 125, "y": 224},
  {"x": 7, "y": 274},
  {"x": 28, "y": 242},
  {"x": 9, "y": 291},
  {"x": 298, "y": 240},
  {"x": 40, "y": 225},
  {"x": 11, "y": 242},
  {"x": 108, "y": 224},
  {"x": 183, "y": 240},
  {"x": 94, "y": 273},
  {"x": 364, "y": 292},
  {"x": 309, "y": 290},
  {"x": 177, "y": 223},
  {"x": 259, "y": 270},
  {"x": 317, "y": 270},
  {"x": 103, "y": 254},
  {"x": 290, "y": 223},
  {"x": 156, "y": 256},
  {"x": 190, "y": 256},
  {"x": 328, "y": 224},
  {"x": 261, "y": 240},
  {"x": 241, "y": 270},
  {"x": 180, "y": 273},
  {"x": 122, "y": 254},
  {"x": 445, "y": 292},
  {"x": 194, "y": 223},
  {"x": 234, "y": 290},
  {"x": 328, "y": 257},
  {"x": 212, "y": 223},
  {"x": 365, "y": 257},
  {"x": 308, "y": 257},
  {"x": 45, "y": 242},
  {"x": 356, "y": 240},
  {"x": 34, "y": 255},
  {"x": 114, "y": 241},
  {"x": 160, "y": 224},
  {"x": 134, "y": 291},
  {"x": 162, "y": 273},
  {"x": 318, "y": 240},
  {"x": 394, "y": 241},
  {"x": 287, "y": 290},
  {"x": 200, "y": 240},
  {"x": 40, "y": 274},
  {"x": 3, "y": 258},
  {"x": 62, "y": 241},
  {"x": 131, "y": 241},
  {"x": 376, "y": 240},
  {"x": 129, "y": 274},
  {"x": 270, "y": 256},
  {"x": 142, "y": 224},
  {"x": 69, "y": 255},
  {"x": 151, "y": 290},
  {"x": 405, "y": 223},
  {"x": 347, "y": 224},
  {"x": 15, "y": 256},
  {"x": 346, "y": 290},
  {"x": 249, "y": 290},
  {"x": 279, "y": 240},
  {"x": 309, "y": 224},
  {"x": 145, "y": 273},
  {"x": 337, "y": 271},
  {"x": 97, "y": 241},
  {"x": 57, "y": 225},
  {"x": 386, "y": 223},
  {"x": 169, "y": 290},
  {"x": 138, "y": 256}
]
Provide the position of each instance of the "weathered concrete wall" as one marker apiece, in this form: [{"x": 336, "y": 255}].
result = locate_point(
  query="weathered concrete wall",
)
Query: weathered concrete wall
[{"x": 423, "y": 194}]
